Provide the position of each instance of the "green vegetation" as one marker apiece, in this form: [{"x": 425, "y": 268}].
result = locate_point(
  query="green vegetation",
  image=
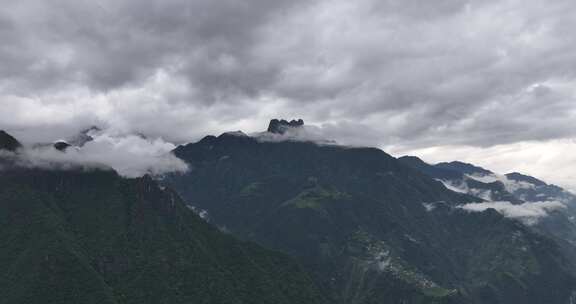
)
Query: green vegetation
[
  {"x": 93, "y": 237},
  {"x": 315, "y": 199},
  {"x": 356, "y": 219},
  {"x": 439, "y": 292}
]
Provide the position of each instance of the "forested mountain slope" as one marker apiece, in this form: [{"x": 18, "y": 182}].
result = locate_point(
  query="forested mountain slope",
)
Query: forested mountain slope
[
  {"x": 81, "y": 236},
  {"x": 370, "y": 228}
]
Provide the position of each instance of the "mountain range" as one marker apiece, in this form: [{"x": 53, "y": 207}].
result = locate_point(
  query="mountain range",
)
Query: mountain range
[
  {"x": 274, "y": 217},
  {"x": 77, "y": 236},
  {"x": 369, "y": 227}
]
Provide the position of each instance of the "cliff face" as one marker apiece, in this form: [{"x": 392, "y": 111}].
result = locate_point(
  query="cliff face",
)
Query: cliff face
[{"x": 281, "y": 126}]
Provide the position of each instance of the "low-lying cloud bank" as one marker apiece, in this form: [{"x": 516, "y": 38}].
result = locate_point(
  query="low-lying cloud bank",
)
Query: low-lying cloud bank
[
  {"x": 129, "y": 155},
  {"x": 528, "y": 213},
  {"x": 546, "y": 160}
]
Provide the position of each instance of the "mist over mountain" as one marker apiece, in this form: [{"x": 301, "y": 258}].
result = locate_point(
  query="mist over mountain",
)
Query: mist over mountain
[
  {"x": 131, "y": 155},
  {"x": 305, "y": 219},
  {"x": 369, "y": 227},
  {"x": 277, "y": 151},
  {"x": 548, "y": 208},
  {"x": 91, "y": 236}
]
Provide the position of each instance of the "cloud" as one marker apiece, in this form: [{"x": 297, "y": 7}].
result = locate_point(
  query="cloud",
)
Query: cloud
[
  {"x": 528, "y": 213},
  {"x": 452, "y": 73},
  {"x": 302, "y": 133},
  {"x": 547, "y": 160},
  {"x": 460, "y": 72},
  {"x": 129, "y": 155}
]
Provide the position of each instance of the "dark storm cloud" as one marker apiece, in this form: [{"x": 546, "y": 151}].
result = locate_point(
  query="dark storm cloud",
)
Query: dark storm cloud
[
  {"x": 391, "y": 72},
  {"x": 108, "y": 44}
]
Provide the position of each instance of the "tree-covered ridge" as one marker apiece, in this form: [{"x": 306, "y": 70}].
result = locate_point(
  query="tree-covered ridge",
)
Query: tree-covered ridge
[
  {"x": 371, "y": 229},
  {"x": 94, "y": 237}
]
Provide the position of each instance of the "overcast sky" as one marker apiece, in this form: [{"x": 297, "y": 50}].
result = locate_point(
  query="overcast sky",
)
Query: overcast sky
[{"x": 490, "y": 82}]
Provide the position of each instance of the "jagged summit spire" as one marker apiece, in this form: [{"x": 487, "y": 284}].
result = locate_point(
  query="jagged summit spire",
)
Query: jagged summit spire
[
  {"x": 84, "y": 136},
  {"x": 281, "y": 126},
  {"x": 8, "y": 142}
]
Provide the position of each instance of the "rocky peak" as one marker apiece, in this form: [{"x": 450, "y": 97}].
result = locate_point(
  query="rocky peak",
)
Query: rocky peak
[
  {"x": 61, "y": 145},
  {"x": 83, "y": 137},
  {"x": 281, "y": 126},
  {"x": 7, "y": 142}
]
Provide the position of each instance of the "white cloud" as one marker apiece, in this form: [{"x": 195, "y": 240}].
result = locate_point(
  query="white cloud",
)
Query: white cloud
[
  {"x": 413, "y": 73},
  {"x": 528, "y": 213},
  {"x": 304, "y": 133},
  {"x": 374, "y": 72},
  {"x": 129, "y": 155},
  {"x": 550, "y": 161}
]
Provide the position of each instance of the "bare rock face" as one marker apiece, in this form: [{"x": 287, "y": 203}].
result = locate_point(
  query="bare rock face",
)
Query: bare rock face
[{"x": 281, "y": 126}]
